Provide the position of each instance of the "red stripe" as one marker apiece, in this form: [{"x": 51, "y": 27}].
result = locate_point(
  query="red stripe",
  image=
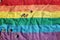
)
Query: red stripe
[{"x": 30, "y": 2}]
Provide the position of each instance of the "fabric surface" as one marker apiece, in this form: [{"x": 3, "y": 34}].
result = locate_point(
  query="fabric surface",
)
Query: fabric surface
[{"x": 29, "y": 19}]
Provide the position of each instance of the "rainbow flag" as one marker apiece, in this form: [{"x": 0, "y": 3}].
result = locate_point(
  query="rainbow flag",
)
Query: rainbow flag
[{"x": 29, "y": 19}]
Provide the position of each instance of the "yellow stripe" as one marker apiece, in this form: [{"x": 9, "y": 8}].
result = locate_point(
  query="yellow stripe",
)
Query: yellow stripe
[{"x": 35, "y": 14}]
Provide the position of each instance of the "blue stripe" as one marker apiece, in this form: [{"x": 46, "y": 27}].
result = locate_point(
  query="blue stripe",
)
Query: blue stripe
[{"x": 31, "y": 28}]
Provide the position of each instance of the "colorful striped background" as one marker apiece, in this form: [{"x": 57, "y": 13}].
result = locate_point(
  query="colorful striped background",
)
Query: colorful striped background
[{"x": 30, "y": 20}]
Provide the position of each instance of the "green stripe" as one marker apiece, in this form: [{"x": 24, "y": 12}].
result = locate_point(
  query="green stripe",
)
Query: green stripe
[{"x": 29, "y": 21}]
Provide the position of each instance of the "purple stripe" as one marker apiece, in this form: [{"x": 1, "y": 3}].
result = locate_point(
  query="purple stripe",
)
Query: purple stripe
[{"x": 30, "y": 36}]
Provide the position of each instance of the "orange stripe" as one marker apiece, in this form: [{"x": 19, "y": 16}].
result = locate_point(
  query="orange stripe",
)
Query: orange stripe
[{"x": 30, "y": 7}]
